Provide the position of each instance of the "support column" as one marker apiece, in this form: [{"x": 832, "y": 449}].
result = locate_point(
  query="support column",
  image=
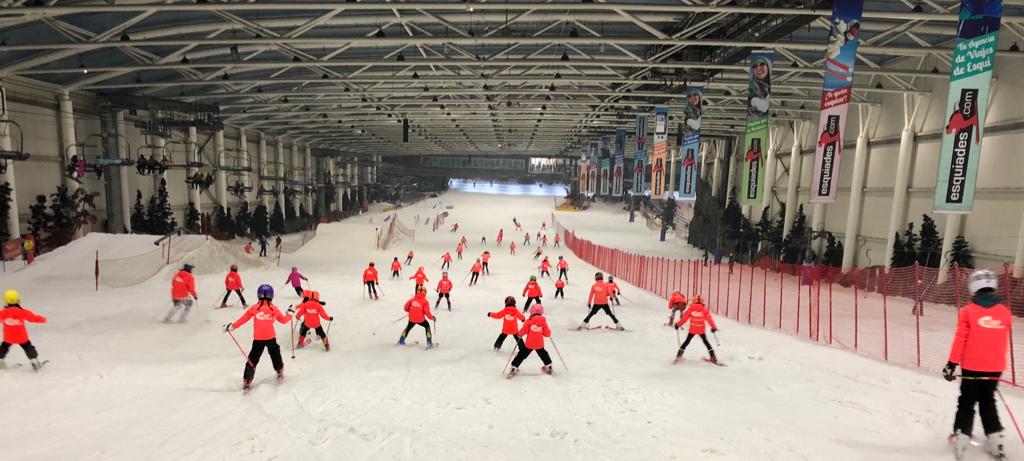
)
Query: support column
[
  {"x": 853, "y": 215},
  {"x": 243, "y": 146},
  {"x": 69, "y": 138},
  {"x": 194, "y": 194},
  {"x": 262, "y": 169},
  {"x": 309, "y": 175},
  {"x": 112, "y": 186},
  {"x": 222, "y": 180},
  {"x": 7, "y": 143},
  {"x": 716, "y": 169},
  {"x": 795, "y": 169},
  {"x": 670, "y": 184},
  {"x": 771, "y": 166},
  {"x": 952, "y": 229},
  {"x": 731, "y": 181},
  {"x": 912, "y": 106},
  {"x": 159, "y": 151},
  {"x": 1018, "y": 260},
  {"x": 296, "y": 174},
  {"x": 127, "y": 195},
  {"x": 279, "y": 155}
]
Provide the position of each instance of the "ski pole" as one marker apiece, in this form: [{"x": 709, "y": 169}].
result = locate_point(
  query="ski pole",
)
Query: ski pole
[
  {"x": 1013, "y": 419},
  {"x": 374, "y": 332},
  {"x": 679, "y": 341},
  {"x": 717, "y": 342},
  {"x": 559, "y": 355},
  {"x": 241, "y": 350},
  {"x": 328, "y": 332},
  {"x": 293, "y": 333},
  {"x": 514, "y": 347},
  {"x": 379, "y": 288}
]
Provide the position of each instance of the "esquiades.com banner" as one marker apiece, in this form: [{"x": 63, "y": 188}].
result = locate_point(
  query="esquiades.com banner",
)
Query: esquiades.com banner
[
  {"x": 758, "y": 97},
  {"x": 693, "y": 108}
]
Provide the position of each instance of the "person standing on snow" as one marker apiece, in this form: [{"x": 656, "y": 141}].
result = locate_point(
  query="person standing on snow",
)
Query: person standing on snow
[
  {"x": 458, "y": 251},
  {"x": 598, "y": 301},
  {"x": 483, "y": 240},
  {"x": 371, "y": 279},
  {"x": 264, "y": 336},
  {"x": 485, "y": 258},
  {"x": 13, "y": 317},
  {"x": 559, "y": 288},
  {"x": 263, "y": 247},
  {"x": 444, "y": 289},
  {"x": 295, "y": 279},
  {"x": 311, "y": 311},
  {"x": 512, "y": 248},
  {"x": 614, "y": 290},
  {"x": 248, "y": 248},
  {"x": 545, "y": 267},
  {"x": 544, "y": 240},
  {"x": 464, "y": 242},
  {"x": 233, "y": 282},
  {"x": 408, "y": 258},
  {"x": 526, "y": 239},
  {"x": 421, "y": 279},
  {"x": 475, "y": 272},
  {"x": 535, "y": 330},
  {"x": 676, "y": 303},
  {"x": 396, "y": 268},
  {"x": 979, "y": 349},
  {"x": 501, "y": 236},
  {"x": 446, "y": 261},
  {"x": 558, "y": 241},
  {"x": 510, "y": 324},
  {"x": 537, "y": 253},
  {"x": 532, "y": 292},
  {"x": 418, "y": 308},
  {"x": 698, "y": 316},
  {"x": 183, "y": 285},
  {"x": 563, "y": 269}
]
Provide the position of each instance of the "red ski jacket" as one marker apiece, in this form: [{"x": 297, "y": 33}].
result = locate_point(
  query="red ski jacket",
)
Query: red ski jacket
[
  {"x": 418, "y": 308},
  {"x": 677, "y": 298},
  {"x": 598, "y": 294},
  {"x": 614, "y": 288},
  {"x": 14, "y": 318},
  {"x": 476, "y": 268},
  {"x": 420, "y": 277},
  {"x": 263, "y": 314},
  {"x": 233, "y": 281},
  {"x": 698, "y": 316},
  {"x": 563, "y": 264},
  {"x": 485, "y": 257},
  {"x": 311, "y": 312},
  {"x": 370, "y": 275},
  {"x": 396, "y": 266},
  {"x": 458, "y": 249},
  {"x": 532, "y": 289},
  {"x": 535, "y": 330},
  {"x": 446, "y": 257},
  {"x": 511, "y": 317},
  {"x": 410, "y": 254},
  {"x": 183, "y": 285},
  {"x": 545, "y": 266},
  {"x": 560, "y": 283},
  {"x": 981, "y": 338},
  {"x": 444, "y": 285}
]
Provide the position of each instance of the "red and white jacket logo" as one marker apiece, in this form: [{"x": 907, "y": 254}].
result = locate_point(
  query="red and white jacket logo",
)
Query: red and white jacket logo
[
  {"x": 264, "y": 316},
  {"x": 536, "y": 328},
  {"x": 989, "y": 322},
  {"x": 13, "y": 322},
  {"x": 509, "y": 317}
]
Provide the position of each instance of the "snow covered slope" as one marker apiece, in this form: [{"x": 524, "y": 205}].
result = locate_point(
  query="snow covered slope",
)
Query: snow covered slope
[{"x": 123, "y": 385}]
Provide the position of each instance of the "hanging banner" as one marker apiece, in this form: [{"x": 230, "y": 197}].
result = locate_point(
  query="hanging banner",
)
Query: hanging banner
[
  {"x": 584, "y": 170},
  {"x": 592, "y": 176},
  {"x": 690, "y": 148},
  {"x": 640, "y": 157},
  {"x": 659, "y": 154},
  {"x": 605, "y": 176},
  {"x": 973, "y": 57},
  {"x": 618, "y": 162},
  {"x": 758, "y": 97},
  {"x": 606, "y": 146},
  {"x": 840, "y": 57}
]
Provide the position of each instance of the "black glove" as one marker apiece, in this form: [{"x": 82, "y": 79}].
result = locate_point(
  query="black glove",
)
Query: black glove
[
  {"x": 488, "y": 314},
  {"x": 227, "y": 328},
  {"x": 949, "y": 372},
  {"x": 676, "y": 326},
  {"x": 330, "y": 319},
  {"x": 714, "y": 330}
]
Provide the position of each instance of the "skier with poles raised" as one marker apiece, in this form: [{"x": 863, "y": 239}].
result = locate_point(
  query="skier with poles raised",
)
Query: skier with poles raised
[
  {"x": 396, "y": 268},
  {"x": 444, "y": 289},
  {"x": 183, "y": 285},
  {"x": 510, "y": 325},
  {"x": 676, "y": 303},
  {"x": 418, "y": 308},
  {"x": 233, "y": 283},
  {"x": 263, "y": 315},
  {"x": 535, "y": 329},
  {"x": 545, "y": 267},
  {"x": 421, "y": 279},
  {"x": 475, "y": 272},
  {"x": 371, "y": 279},
  {"x": 532, "y": 292},
  {"x": 311, "y": 311},
  {"x": 979, "y": 349},
  {"x": 698, "y": 316},
  {"x": 295, "y": 279},
  {"x": 598, "y": 301},
  {"x": 446, "y": 261},
  {"x": 13, "y": 317},
  {"x": 563, "y": 269}
]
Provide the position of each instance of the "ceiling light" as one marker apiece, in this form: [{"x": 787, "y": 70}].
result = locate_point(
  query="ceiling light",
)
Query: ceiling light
[
  {"x": 84, "y": 69},
  {"x": 380, "y": 33}
]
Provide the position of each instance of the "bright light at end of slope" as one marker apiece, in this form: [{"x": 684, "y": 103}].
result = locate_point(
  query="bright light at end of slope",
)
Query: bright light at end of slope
[{"x": 485, "y": 186}]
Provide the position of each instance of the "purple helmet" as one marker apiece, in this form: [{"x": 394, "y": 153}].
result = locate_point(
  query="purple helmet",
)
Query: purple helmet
[{"x": 265, "y": 292}]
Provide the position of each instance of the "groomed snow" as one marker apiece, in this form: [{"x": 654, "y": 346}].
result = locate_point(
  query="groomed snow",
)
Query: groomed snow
[{"x": 122, "y": 385}]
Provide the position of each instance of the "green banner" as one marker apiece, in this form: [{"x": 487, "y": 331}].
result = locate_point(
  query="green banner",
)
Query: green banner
[{"x": 754, "y": 162}]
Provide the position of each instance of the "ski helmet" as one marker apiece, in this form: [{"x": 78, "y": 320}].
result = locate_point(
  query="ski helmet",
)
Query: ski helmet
[
  {"x": 234, "y": 268},
  {"x": 598, "y": 276},
  {"x": 265, "y": 292},
  {"x": 187, "y": 267},
  {"x": 559, "y": 257},
  {"x": 295, "y": 269},
  {"x": 396, "y": 258},
  {"x": 533, "y": 278},
  {"x": 982, "y": 279},
  {"x": 421, "y": 289},
  {"x": 371, "y": 263},
  {"x": 314, "y": 296},
  {"x": 444, "y": 274},
  {"x": 697, "y": 299},
  {"x": 12, "y": 297},
  {"x": 611, "y": 278},
  {"x": 510, "y": 301},
  {"x": 536, "y": 309},
  {"x": 306, "y": 294}
]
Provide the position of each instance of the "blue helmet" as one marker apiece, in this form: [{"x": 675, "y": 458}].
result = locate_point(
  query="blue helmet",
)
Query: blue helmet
[{"x": 265, "y": 292}]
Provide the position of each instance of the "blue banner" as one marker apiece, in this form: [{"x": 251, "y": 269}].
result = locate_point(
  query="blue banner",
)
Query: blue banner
[{"x": 690, "y": 149}]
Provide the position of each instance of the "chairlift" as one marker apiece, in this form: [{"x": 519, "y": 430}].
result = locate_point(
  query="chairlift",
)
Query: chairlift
[
  {"x": 235, "y": 160},
  {"x": 268, "y": 171},
  {"x": 185, "y": 164},
  {"x": 12, "y": 154},
  {"x": 152, "y": 164}
]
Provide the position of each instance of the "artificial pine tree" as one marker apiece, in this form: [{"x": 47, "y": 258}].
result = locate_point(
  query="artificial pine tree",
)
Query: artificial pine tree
[
  {"x": 258, "y": 225},
  {"x": 303, "y": 215},
  {"x": 289, "y": 209},
  {"x": 732, "y": 220},
  {"x": 192, "y": 218},
  {"x": 795, "y": 243},
  {"x": 961, "y": 253},
  {"x": 277, "y": 219},
  {"x": 833, "y": 250},
  {"x": 39, "y": 216},
  {"x": 242, "y": 219},
  {"x": 5, "y": 210},
  {"x": 668, "y": 216},
  {"x": 897, "y": 251},
  {"x": 159, "y": 213},
  {"x": 910, "y": 243},
  {"x": 139, "y": 223},
  {"x": 929, "y": 253}
]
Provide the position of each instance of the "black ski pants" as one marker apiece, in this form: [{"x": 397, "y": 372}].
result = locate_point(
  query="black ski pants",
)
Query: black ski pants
[
  {"x": 530, "y": 300},
  {"x": 524, "y": 353},
  {"x": 445, "y": 265},
  {"x": 703, "y": 337},
  {"x": 559, "y": 291},
  {"x": 371, "y": 288},
  {"x": 501, "y": 340},
  {"x": 303, "y": 329},
  {"x": 486, "y": 268},
  {"x": 258, "y": 345},
  {"x": 977, "y": 388},
  {"x": 27, "y": 346},
  {"x": 474, "y": 278},
  {"x": 597, "y": 308},
  {"x": 424, "y": 324},
  {"x": 228, "y": 294},
  {"x": 563, "y": 273},
  {"x": 447, "y": 297}
]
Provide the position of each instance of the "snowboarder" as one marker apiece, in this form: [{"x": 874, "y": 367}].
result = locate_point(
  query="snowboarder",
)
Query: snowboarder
[
  {"x": 537, "y": 253},
  {"x": 485, "y": 258},
  {"x": 598, "y": 301},
  {"x": 263, "y": 315},
  {"x": 371, "y": 279},
  {"x": 532, "y": 292},
  {"x": 408, "y": 258},
  {"x": 421, "y": 279},
  {"x": 979, "y": 348},
  {"x": 559, "y": 288},
  {"x": 446, "y": 261},
  {"x": 311, "y": 311},
  {"x": 396, "y": 268},
  {"x": 233, "y": 282},
  {"x": 698, "y": 316},
  {"x": 545, "y": 267},
  {"x": 13, "y": 316},
  {"x": 614, "y": 290},
  {"x": 458, "y": 251},
  {"x": 510, "y": 324},
  {"x": 512, "y": 248},
  {"x": 475, "y": 272},
  {"x": 183, "y": 285},
  {"x": 295, "y": 279},
  {"x": 444, "y": 289},
  {"x": 563, "y": 269},
  {"x": 676, "y": 303},
  {"x": 535, "y": 330},
  {"x": 418, "y": 308}
]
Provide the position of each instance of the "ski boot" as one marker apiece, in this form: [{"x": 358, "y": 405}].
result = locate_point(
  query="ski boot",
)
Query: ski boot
[
  {"x": 619, "y": 327},
  {"x": 712, "y": 357},
  {"x": 222, "y": 305},
  {"x": 327, "y": 344},
  {"x": 280, "y": 376},
  {"x": 546, "y": 369},
  {"x": 430, "y": 343},
  {"x": 36, "y": 365},
  {"x": 679, "y": 356},
  {"x": 996, "y": 445},
  {"x": 512, "y": 373},
  {"x": 401, "y": 340},
  {"x": 961, "y": 442},
  {"x": 246, "y": 386},
  {"x": 583, "y": 326},
  {"x": 301, "y": 343}
]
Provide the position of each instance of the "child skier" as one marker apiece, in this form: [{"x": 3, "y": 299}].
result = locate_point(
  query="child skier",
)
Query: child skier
[
  {"x": 512, "y": 248},
  {"x": 979, "y": 348},
  {"x": 545, "y": 267},
  {"x": 532, "y": 292},
  {"x": 559, "y": 288},
  {"x": 510, "y": 325},
  {"x": 183, "y": 285},
  {"x": 676, "y": 303},
  {"x": 418, "y": 308},
  {"x": 558, "y": 240},
  {"x": 544, "y": 240},
  {"x": 501, "y": 236},
  {"x": 537, "y": 253},
  {"x": 464, "y": 242},
  {"x": 598, "y": 301},
  {"x": 526, "y": 239},
  {"x": 563, "y": 269},
  {"x": 311, "y": 311},
  {"x": 396, "y": 268},
  {"x": 485, "y": 258},
  {"x": 371, "y": 279},
  {"x": 421, "y": 279},
  {"x": 446, "y": 261},
  {"x": 408, "y": 258},
  {"x": 295, "y": 279},
  {"x": 444, "y": 289},
  {"x": 263, "y": 315},
  {"x": 13, "y": 316},
  {"x": 614, "y": 290},
  {"x": 233, "y": 282},
  {"x": 698, "y": 316},
  {"x": 535, "y": 330},
  {"x": 475, "y": 272},
  {"x": 458, "y": 251}
]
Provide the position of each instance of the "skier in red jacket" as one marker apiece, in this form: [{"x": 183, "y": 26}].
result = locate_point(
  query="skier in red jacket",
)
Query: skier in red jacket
[
  {"x": 263, "y": 315},
  {"x": 418, "y": 308},
  {"x": 501, "y": 236},
  {"x": 233, "y": 282},
  {"x": 563, "y": 268},
  {"x": 597, "y": 301},
  {"x": 538, "y": 253},
  {"x": 311, "y": 311},
  {"x": 535, "y": 330},
  {"x": 512, "y": 248},
  {"x": 545, "y": 267},
  {"x": 485, "y": 258},
  {"x": 420, "y": 277},
  {"x": 446, "y": 261},
  {"x": 371, "y": 278},
  {"x": 558, "y": 241},
  {"x": 183, "y": 285},
  {"x": 408, "y": 258},
  {"x": 458, "y": 251},
  {"x": 13, "y": 316},
  {"x": 444, "y": 289},
  {"x": 698, "y": 316},
  {"x": 615, "y": 290},
  {"x": 532, "y": 292},
  {"x": 979, "y": 349},
  {"x": 559, "y": 288},
  {"x": 510, "y": 325},
  {"x": 676, "y": 303},
  {"x": 475, "y": 272},
  {"x": 396, "y": 268}
]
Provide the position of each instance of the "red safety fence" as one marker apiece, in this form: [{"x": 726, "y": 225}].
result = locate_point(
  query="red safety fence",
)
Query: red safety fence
[{"x": 903, "y": 315}]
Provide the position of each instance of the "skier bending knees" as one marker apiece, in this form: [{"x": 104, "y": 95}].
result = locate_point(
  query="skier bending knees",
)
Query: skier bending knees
[
  {"x": 264, "y": 337},
  {"x": 535, "y": 330},
  {"x": 511, "y": 317},
  {"x": 698, "y": 316},
  {"x": 419, "y": 312},
  {"x": 598, "y": 301}
]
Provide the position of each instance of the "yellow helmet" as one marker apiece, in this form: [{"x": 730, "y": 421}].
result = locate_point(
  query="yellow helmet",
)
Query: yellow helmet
[{"x": 11, "y": 297}]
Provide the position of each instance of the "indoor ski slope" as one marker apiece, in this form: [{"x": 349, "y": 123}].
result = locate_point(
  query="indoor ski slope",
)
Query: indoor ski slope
[{"x": 122, "y": 385}]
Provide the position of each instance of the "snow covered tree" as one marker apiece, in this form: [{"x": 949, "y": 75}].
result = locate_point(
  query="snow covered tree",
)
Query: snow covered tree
[
  {"x": 668, "y": 216},
  {"x": 242, "y": 219},
  {"x": 929, "y": 253},
  {"x": 277, "y": 224},
  {"x": 833, "y": 250},
  {"x": 795, "y": 243},
  {"x": 961, "y": 254},
  {"x": 139, "y": 223},
  {"x": 192, "y": 219},
  {"x": 258, "y": 225},
  {"x": 5, "y": 210}
]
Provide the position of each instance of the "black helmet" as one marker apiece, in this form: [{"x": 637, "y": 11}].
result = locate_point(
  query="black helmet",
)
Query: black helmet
[
  {"x": 371, "y": 263},
  {"x": 510, "y": 301},
  {"x": 187, "y": 267},
  {"x": 598, "y": 276}
]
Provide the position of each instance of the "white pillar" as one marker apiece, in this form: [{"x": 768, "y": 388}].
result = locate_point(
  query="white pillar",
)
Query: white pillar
[
  {"x": 127, "y": 194},
  {"x": 222, "y": 180},
  {"x": 716, "y": 171},
  {"x": 194, "y": 194},
  {"x": 279, "y": 155},
  {"x": 731, "y": 182},
  {"x": 793, "y": 186},
  {"x": 7, "y": 143},
  {"x": 262, "y": 168},
  {"x": 853, "y": 215},
  {"x": 952, "y": 229},
  {"x": 818, "y": 225},
  {"x": 309, "y": 175},
  {"x": 771, "y": 164},
  {"x": 69, "y": 139},
  {"x": 1018, "y": 260},
  {"x": 898, "y": 210},
  {"x": 296, "y": 174},
  {"x": 243, "y": 146}
]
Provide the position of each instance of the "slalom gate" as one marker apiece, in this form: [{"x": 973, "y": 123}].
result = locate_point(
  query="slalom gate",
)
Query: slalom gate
[{"x": 906, "y": 316}]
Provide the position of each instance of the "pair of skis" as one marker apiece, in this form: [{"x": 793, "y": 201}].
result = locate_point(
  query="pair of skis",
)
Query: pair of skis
[
  {"x": 706, "y": 359},
  {"x": 433, "y": 345}
]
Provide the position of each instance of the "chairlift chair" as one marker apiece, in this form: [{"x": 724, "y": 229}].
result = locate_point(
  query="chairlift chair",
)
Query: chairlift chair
[{"x": 18, "y": 154}]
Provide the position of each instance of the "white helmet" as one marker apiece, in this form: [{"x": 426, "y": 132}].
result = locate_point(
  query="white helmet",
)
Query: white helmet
[{"x": 981, "y": 279}]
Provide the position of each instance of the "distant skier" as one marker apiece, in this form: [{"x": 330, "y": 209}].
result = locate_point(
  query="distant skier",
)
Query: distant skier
[
  {"x": 248, "y": 248},
  {"x": 559, "y": 288},
  {"x": 732, "y": 261},
  {"x": 371, "y": 279},
  {"x": 418, "y": 308},
  {"x": 485, "y": 258},
  {"x": 444, "y": 290},
  {"x": 408, "y": 258},
  {"x": 698, "y": 316},
  {"x": 598, "y": 301},
  {"x": 455, "y": 227},
  {"x": 510, "y": 324},
  {"x": 311, "y": 311},
  {"x": 563, "y": 269},
  {"x": 979, "y": 348},
  {"x": 421, "y": 279},
  {"x": 295, "y": 279},
  {"x": 501, "y": 236},
  {"x": 558, "y": 241},
  {"x": 458, "y": 251},
  {"x": 13, "y": 317},
  {"x": 532, "y": 292},
  {"x": 526, "y": 239},
  {"x": 544, "y": 240},
  {"x": 183, "y": 285},
  {"x": 535, "y": 330},
  {"x": 264, "y": 336},
  {"x": 537, "y": 253},
  {"x": 233, "y": 283},
  {"x": 464, "y": 242},
  {"x": 263, "y": 247},
  {"x": 475, "y": 272},
  {"x": 545, "y": 267},
  {"x": 446, "y": 261},
  {"x": 277, "y": 243},
  {"x": 543, "y": 225},
  {"x": 676, "y": 303},
  {"x": 483, "y": 240},
  {"x": 396, "y": 268},
  {"x": 614, "y": 290},
  {"x": 512, "y": 248}
]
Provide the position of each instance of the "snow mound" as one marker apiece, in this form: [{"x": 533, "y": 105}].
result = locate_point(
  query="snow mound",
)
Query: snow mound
[{"x": 216, "y": 257}]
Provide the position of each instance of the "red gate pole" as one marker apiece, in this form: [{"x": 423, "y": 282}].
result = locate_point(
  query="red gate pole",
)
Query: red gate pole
[
  {"x": 718, "y": 285},
  {"x": 799, "y": 288},
  {"x": 750, "y": 295},
  {"x": 764, "y": 300},
  {"x": 1006, "y": 296},
  {"x": 728, "y": 287},
  {"x": 830, "y": 307},
  {"x": 856, "y": 314},
  {"x": 782, "y": 280},
  {"x": 918, "y": 310},
  {"x": 885, "y": 314}
]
